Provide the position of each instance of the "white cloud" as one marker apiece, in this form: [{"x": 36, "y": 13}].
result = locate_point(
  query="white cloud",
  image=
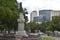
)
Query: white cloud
[{"x": 42, "y": 4}]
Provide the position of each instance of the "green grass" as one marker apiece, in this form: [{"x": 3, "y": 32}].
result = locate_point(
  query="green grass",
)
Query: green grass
[{"x": 46, "y": 38}]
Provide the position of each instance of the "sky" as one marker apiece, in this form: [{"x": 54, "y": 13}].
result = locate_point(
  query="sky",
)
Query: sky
[{"x": 40, "y": 4}]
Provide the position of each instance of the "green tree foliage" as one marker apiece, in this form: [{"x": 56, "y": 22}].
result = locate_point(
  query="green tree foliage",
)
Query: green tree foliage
[
  {"x": 56, "y": 21},
  {"x": 31, "y": 26},
  {"x": 8, "y": 13},
  {"x": 54, "y": 24},
  {"x": 35, "y": 26},
  {"x": 43, "y": 26}
]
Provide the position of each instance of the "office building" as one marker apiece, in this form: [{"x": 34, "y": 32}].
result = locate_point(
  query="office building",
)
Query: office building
[
  {"x": 46, "y": 15},
  {"x": 32, "y": 15}
]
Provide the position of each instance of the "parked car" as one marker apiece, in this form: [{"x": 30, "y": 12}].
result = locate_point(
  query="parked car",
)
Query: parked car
[
  {"x": 36, "y": 34},
  {"x": 41, "y": 33},
  {"x": 33, "y": 34}
]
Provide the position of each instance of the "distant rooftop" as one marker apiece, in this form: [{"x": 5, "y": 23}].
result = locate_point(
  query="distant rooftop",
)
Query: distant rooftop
[
  {"x": 34, "y": 11},
  {"x": 48, "y": 10}
]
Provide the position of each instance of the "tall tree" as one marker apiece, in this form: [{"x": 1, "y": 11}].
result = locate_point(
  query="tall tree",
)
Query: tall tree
[
  {"x": 54, "y": 24},
  {"x": 8, "y": 13},
  {"x": 31, "y": 26}
]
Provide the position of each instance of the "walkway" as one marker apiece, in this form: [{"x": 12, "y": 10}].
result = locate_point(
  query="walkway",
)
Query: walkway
[{"x": 30, "y": 38}]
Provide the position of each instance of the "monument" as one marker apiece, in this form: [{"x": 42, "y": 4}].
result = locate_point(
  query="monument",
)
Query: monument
[{"x": 21, "y": 32}]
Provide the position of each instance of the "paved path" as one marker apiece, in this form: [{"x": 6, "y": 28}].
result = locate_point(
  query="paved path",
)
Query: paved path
[{"x": 31, "y": 38}]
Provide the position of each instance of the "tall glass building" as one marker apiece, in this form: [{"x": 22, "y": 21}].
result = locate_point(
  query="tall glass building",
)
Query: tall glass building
[{"x": 46, "y": 15}]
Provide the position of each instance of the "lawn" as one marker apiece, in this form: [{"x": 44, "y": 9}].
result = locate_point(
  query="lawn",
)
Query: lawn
[{"x": 46, "y": 38}]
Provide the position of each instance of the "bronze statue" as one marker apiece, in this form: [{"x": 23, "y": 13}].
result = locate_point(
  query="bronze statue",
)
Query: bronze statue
[{"x": 21, "y": 9}]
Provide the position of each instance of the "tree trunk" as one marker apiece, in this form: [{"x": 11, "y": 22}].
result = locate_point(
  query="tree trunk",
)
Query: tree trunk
[
  {"x": 14, "y": 32},
  {"x": 8, "y": 31},
  {"x": 1, "y": 31}
]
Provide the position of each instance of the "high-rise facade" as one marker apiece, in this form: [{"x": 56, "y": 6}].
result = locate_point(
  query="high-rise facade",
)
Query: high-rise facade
[
  {"x": 46, "y": 15},
  {"x": 55, "y": 13},
  {"x": 32, "y": 15}
]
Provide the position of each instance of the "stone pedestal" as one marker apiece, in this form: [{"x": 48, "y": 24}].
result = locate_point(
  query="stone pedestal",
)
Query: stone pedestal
[{"x": 21, "y": 32}]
